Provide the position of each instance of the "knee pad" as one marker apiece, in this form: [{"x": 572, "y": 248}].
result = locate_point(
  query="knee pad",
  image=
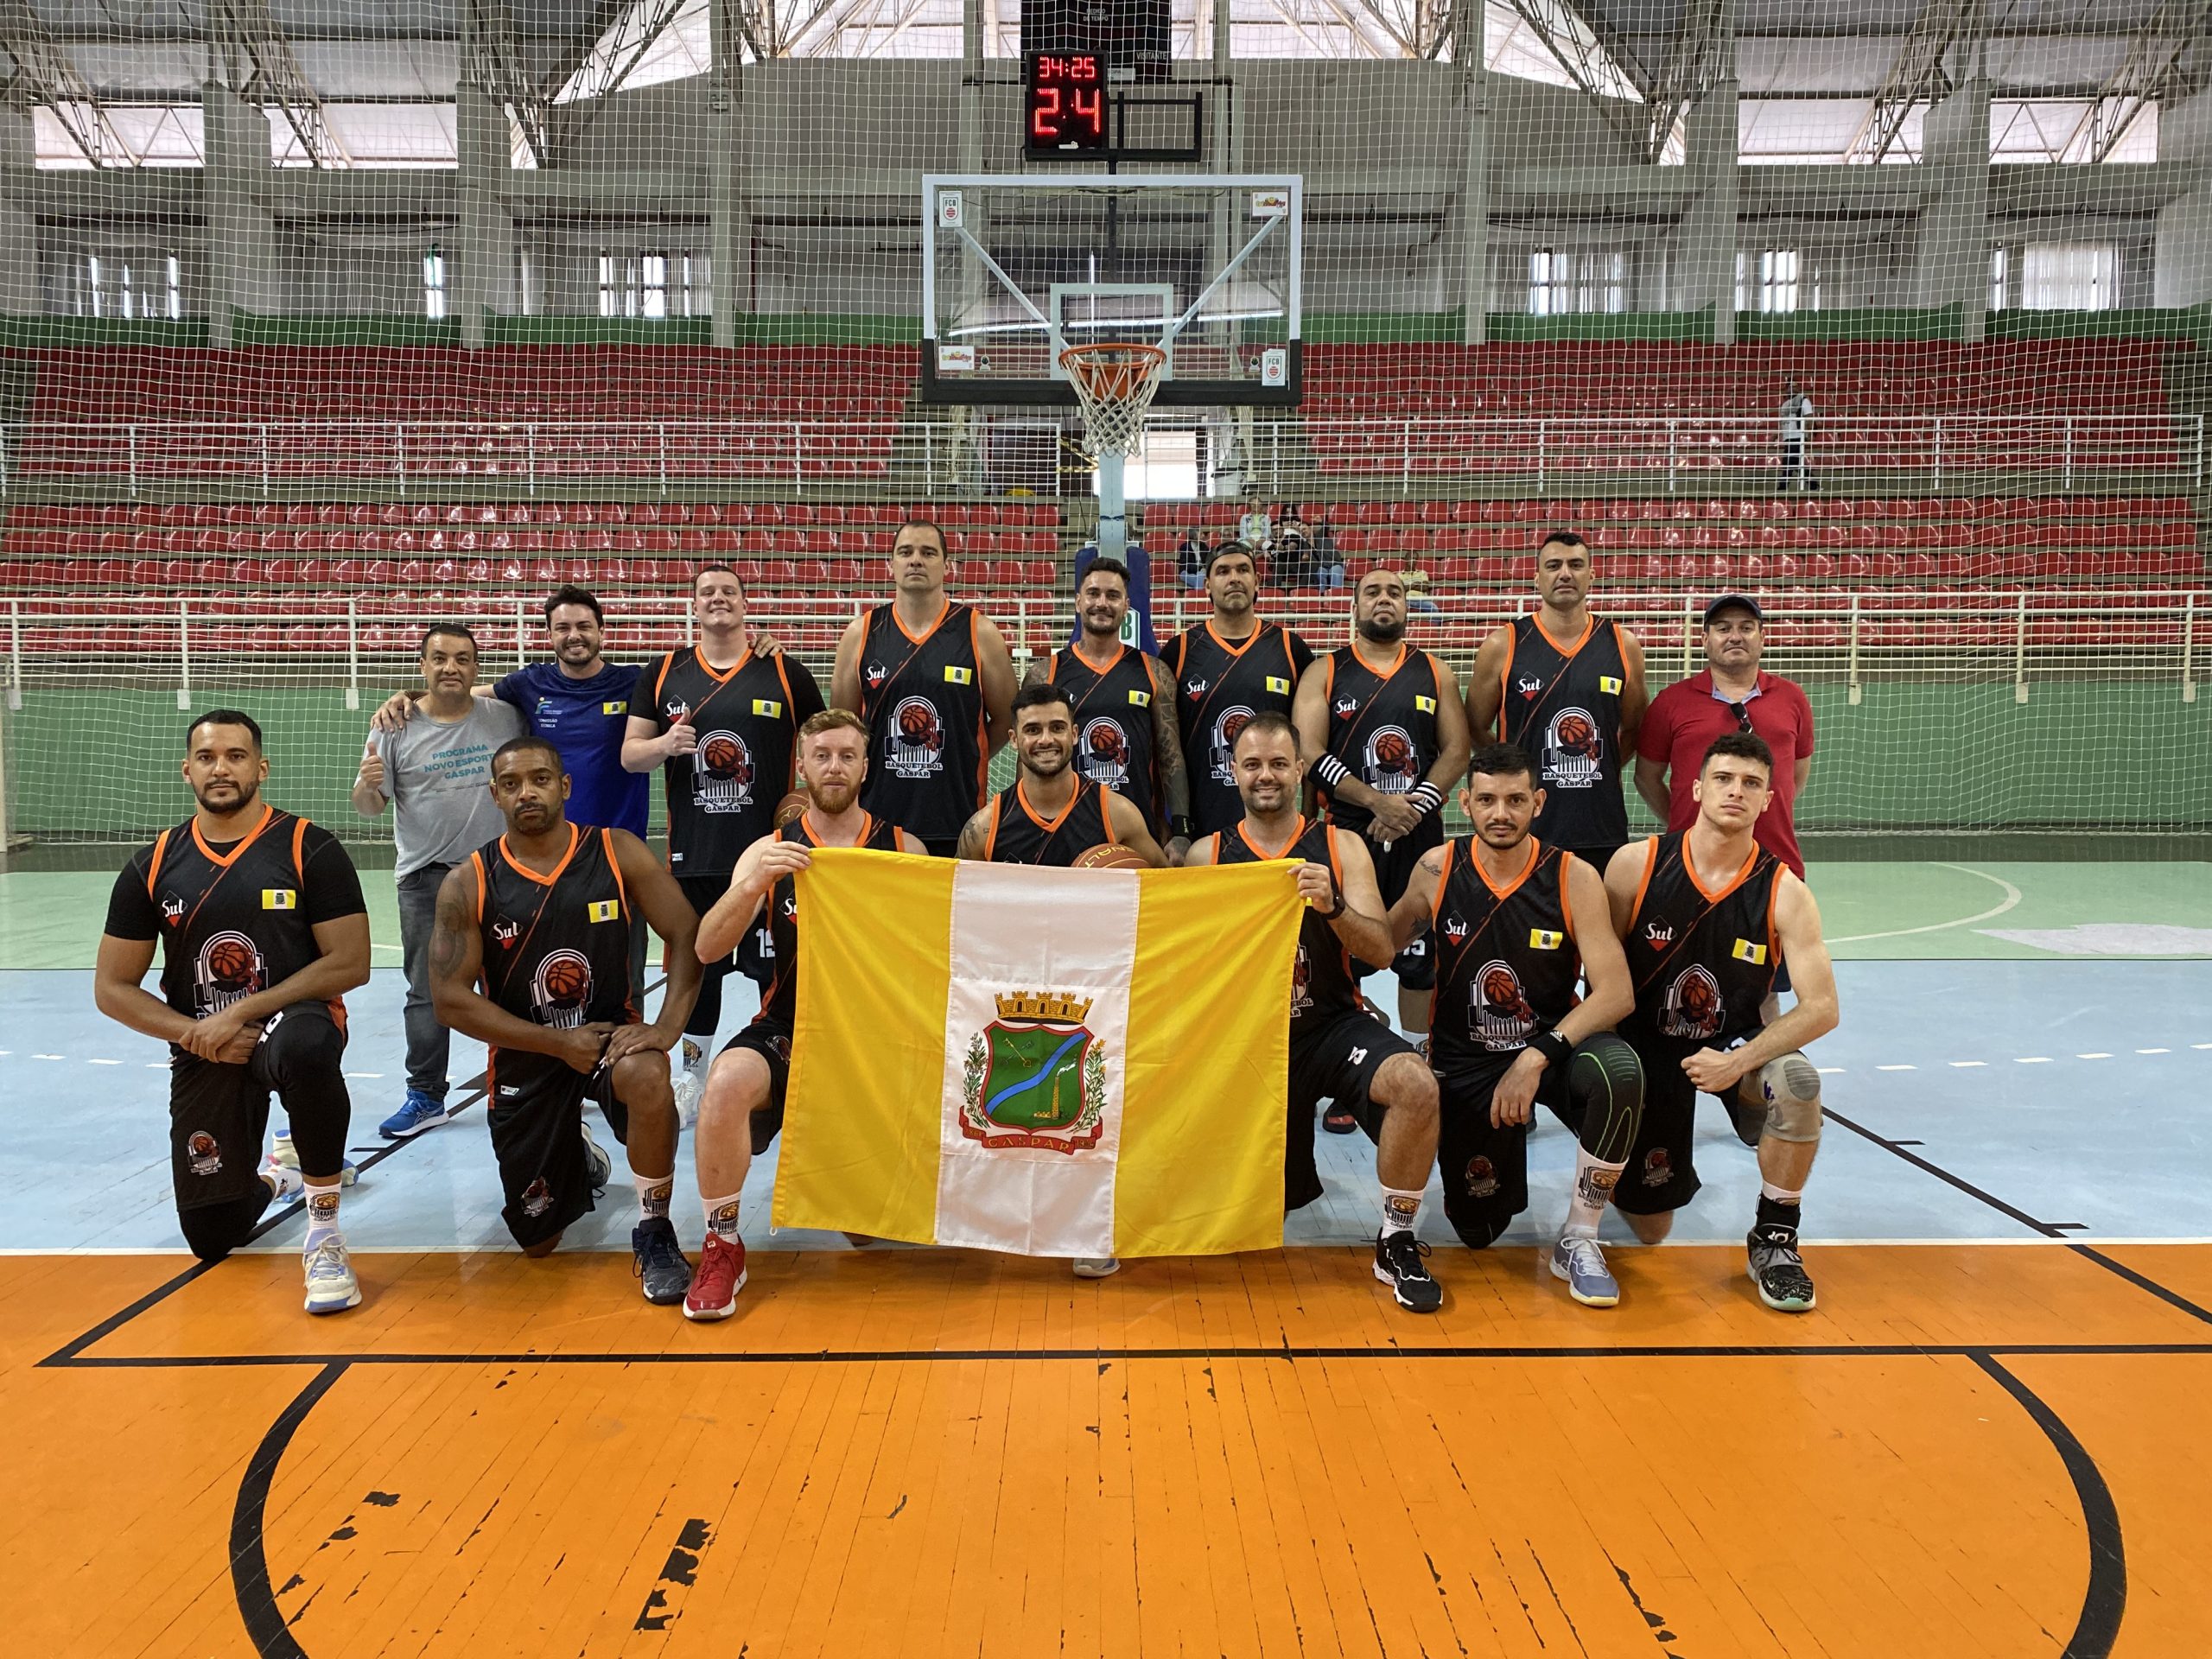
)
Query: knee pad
[{"x": 1791, "y": 1086}]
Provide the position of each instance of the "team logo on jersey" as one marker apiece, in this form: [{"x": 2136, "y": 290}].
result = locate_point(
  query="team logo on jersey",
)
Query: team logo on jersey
[
  {"x": 1302, "y": 983},
  {"x": 1346, "y": 708},
  {"x": 1574, "y": 754},
  {"x": 1692, "y": 1007},
  {"x": 280, "y": 899},
  {"x": 721, "y": 781},
  {"x": 1104, "y": 752},
  {"x": 914, "y": 747},
  {"x": 172, "y": 910},
  {"x": 1393, "y": 764},
  {"x": 1658, "y": 933},
  {"x": 559, "y": 991},
  {"x": 1528, "y": 688},
  {"x": 676, "y": 709},
  {"x": 1499, "y": 1016},
  {"x": 1036, "y": 1076},
  {"x": 228, "y": 970},
  {"x": 537, "y": 1198},
  {"x": 1482, "y": 1178},
  {"x": 1221, "y": 761},
  {"x": 1658, "y": 1167},
  {"x": 201, "y": 1153},
  {"x": 1455, "y": 929},
  {"x": 1195, "y": 688},
  {"x": 1278, "y": 684},
  {"x": 506, "y": 933},
  {"x": 875, "y": 674},
  {"x": 1744, "y": 950}
]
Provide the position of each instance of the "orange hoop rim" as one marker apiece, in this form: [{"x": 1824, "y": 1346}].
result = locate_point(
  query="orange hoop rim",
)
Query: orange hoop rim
[{"x": 1113, "y": 371}]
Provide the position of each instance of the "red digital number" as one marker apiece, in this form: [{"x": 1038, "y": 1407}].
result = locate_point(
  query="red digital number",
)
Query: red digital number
[
  {"x": 1082, "y": 69},
  {"x": 1045, "y": 117},
  {"x": 1091, "y": 110}
]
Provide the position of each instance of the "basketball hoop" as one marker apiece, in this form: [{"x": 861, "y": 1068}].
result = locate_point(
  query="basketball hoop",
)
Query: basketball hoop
[{"x": 1113, "y": 385}]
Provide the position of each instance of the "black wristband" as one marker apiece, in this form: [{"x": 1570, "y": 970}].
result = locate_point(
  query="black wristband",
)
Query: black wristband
[
  {"x": 1548, "y": 1043},
  {"x": 1180, "y": 828},
  {"x": 1427, "y": 795},
  {"x": 1331, "y": 771}
]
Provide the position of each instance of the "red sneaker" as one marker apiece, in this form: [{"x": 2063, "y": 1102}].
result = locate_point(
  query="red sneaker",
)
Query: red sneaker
[{"x": 716, "y": 1281}]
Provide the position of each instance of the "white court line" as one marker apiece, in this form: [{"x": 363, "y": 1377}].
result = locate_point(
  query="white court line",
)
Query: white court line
[
  {"x": 2012, "y": 897},
  {"x": 2154, "y": 1051},
  {"x": 1962, "y": 1064},
  {"x": 1897, "y": 1068},
  {"x": 49, "y": 1056},
  {"x": 2031, "y": 1060},
  {"x": 103, "y": 1062},
  {"x": 2093, "y": 1057}
]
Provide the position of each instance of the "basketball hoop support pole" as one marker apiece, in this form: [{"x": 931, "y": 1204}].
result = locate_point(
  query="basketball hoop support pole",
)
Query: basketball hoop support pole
[{"x": 1113, "y": 507}]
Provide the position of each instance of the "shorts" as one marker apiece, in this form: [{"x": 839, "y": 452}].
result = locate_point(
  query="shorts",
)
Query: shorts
[
  {"x": 1485, "y": 1167},
  {"x": 219, "y": 1117},
  {"x": 1415, "y": 965},
  {"x": 1661, "y": 1173},
  {"x": 1338, "y": 1062},
  {"x": 754, "y": 957},
  {"x": 947, "y": 848},
  {"x": 771, "y": 1039},
  {"x": 536, "y": 1118}
]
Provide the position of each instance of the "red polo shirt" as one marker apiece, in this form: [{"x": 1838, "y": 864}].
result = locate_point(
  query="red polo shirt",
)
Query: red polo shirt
[{"x": 1685, "y": 718}]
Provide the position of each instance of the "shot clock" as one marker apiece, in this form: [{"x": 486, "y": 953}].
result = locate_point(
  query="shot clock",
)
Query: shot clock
[{"x": 1063, "y": 107}]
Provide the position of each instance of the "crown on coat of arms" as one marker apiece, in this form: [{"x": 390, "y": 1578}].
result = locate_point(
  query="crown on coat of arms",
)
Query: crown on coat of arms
[{"x": 1052, "y": 1006}]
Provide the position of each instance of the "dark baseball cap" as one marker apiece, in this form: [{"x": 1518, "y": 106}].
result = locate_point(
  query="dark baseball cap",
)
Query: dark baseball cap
[{"x": 1740, "y": 601}]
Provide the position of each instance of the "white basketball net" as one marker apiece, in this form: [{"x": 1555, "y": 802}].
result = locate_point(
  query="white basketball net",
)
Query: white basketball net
[{"x": 1113, "y": 386}]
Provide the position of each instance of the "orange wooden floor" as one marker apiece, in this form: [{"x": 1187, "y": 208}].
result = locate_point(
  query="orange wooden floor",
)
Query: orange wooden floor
[{"x": 1969, "y": 1451}]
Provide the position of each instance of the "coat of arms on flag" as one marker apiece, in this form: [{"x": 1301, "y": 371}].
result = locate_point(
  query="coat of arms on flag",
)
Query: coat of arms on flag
[{"x": 1035, "y": 1077}]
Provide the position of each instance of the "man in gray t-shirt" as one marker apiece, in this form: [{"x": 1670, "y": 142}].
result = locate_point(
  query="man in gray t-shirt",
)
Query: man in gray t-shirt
[{"x": 436, "y": 771}]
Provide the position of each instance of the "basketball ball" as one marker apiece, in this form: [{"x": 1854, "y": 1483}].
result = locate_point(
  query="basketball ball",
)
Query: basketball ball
[
  {"x": 721, "y": 755},
  {"x": 565, "y": 980},
  {"x": 230, "y": 960},
  {"x": 916, "y": 721},
  {"x": 792, "y": 807},
  {"x": 1110, "y": 856},
  {"x": 1393, "y": 751}
]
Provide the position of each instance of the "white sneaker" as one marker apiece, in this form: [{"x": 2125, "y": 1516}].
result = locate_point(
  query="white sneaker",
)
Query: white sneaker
[
  {"x": 1096, "y": 1267},
  {"x": 332, "y": 1288},
  {"x": 690, "y": 1083},
  {"x": 284, "y": 1179},
  {"x": 282, "y": 1153},
  {"x": 600, "y": 1166}
]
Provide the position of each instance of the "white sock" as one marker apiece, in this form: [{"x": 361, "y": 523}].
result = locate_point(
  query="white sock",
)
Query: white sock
[
  {"x": 721, "y": 1217},
  {"x": 1401, "y": 1210},
  {"x": 1594, "y": 1180},
  {"x": 695, "y": 1054},
  {"x": 653, "y": 1192},
  {"x": 1769, "y": 1190},
  {"x": 322, "y": 1213}
]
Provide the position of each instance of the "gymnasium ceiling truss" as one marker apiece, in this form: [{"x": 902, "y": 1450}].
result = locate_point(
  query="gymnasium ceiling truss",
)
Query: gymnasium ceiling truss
[
  {"x": 1922, "y": 75},
  {"x": 253, "y": 58},
  {"x": 552, "y": 107},
  {"x": 2168, "y": 60},
  {"x": 492, "y": 64},
  {"x": 1603, "y": 72},
  {"x": 793, "y": 29},
  {"x": 41, "y": 75},
  {"x": 1702, "y": 56}
]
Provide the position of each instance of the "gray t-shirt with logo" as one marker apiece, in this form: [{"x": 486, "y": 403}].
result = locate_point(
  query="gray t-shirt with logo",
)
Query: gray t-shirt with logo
[{"x": 437, "y": 775}]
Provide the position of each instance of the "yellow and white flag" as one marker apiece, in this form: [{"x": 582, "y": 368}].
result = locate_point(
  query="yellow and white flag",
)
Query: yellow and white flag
[{"x": 1079, "y": 1063}]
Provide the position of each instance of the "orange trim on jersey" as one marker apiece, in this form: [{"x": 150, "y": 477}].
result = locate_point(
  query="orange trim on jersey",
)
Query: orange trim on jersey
[
  {"x": 1101, "y": 670},
  {"x": 1304, "y": 824},
  {"x": 1589, "y": 628},
  {"x": 621, "y": 887},
  {"x": 1051, "y": 825},
  {"x": 1650, "y": 864},
  {"x": 1505, "y": 680},
  {"x": 224, "y": 860},
  {"x": 153, "y": 865},
  {"x": 299, "y": 858},
  {"x": 991, "y": 836},
  {"x": 1773, "y": 937},
  {"x": 521, "y": 869},
  {"x": 923, "y": 636},
  {"x": 1384, "y": 674},
  {"x": 982, "y": 702},
  {"x": 667, "y": 662},
  {"x": 483, "y": 884},
  {"x": 1249, "y": 640},
  {"x": 1566, "y": 902},
  {"x": 1535, "y": 854},
  {"x": 1728, "y": 887}
]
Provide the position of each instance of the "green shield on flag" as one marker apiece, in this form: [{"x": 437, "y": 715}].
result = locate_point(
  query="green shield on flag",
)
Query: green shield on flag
[{"x": 1033, "y": 1075}]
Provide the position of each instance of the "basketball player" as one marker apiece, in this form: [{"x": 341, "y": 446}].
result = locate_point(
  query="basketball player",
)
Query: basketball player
[
  {"x": 1568, "y": 688},
  {"x": 932, "y": 678},
  {"x": 1226, "y": 669},
  {"x": 1338, "y": 1049},
  {"x": 723, "y": 726},
  {"x": 1708, "y": 916},
  {"x": 541, "y": 919},
  {"x": 261, "y": 928},
  {"x": 743, "y": 1107},
  {"x": 1052, "y": 811},
  {"x": 1124, "y": 705},
  {"x": 1389, "y": 735},
  {"x": 1515, "y": 920}
]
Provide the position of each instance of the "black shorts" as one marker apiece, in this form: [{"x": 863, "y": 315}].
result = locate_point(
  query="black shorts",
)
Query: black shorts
[
  {"x": 1661, "y": 1173},
  {"x": 1336, "y": 1061},
  {"x": 947, "y": 848},
  {"x": 1415, "y": 965},
  {"x": 219, "y": 1120},
  {"x": 771, "y": 1039},
  {"x": 753, "y": 957},
  {"x": 1485, "y": 1167},
  {"x": 536, "y": 1116}
]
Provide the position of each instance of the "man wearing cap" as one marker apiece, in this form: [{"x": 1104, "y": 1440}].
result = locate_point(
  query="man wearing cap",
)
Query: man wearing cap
[{"x": 1731, "y": 695}]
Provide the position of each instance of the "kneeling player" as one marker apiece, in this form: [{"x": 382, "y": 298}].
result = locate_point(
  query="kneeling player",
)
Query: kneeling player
[
  {"x": 743, "y": 1106},
  {"x": 1708, "y": 917},
  {"x": 1337, "y": 1049},
  {"x": 543, "y": 918},
  {"x": 259, "y": 918},
  {"x": 1508, "y": 1031}
]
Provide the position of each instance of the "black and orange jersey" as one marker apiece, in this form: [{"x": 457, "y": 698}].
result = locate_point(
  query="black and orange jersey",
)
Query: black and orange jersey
[
  {"x": 781, "y": 1001},
  {"x": 1113, "y": 723},
  {"x": 1382, "y": 724},
  {"x": 723, "y": 796},
  {"x": 557, "y": 948},
  {"x": 1219, "y": 684},
  {"x": 1323, "y": 987},
  {"x": 234, "y": 918},
  {"x": 922, "y": 696},
  {"x": 1702, "y": 959},
  {"x": 1019, "y": 834},
  {"x": 1505, "y": 956},
  {"x": 1562, "y": 704}
]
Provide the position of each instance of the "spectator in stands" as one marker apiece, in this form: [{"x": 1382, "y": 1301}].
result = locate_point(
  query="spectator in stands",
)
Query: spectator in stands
[
  {"x": 1294, "y": 563},
  {"x": 1730, "y": 695},
  {"x": 1417, "y": 596},
  {"x": 435, "y": 770},
  {"x": 1191, "y": 558},
  {"x": 1796, "y": 432},
  {"x": 1257, "y": 530},
  {"x": 1326, "y": 558}
]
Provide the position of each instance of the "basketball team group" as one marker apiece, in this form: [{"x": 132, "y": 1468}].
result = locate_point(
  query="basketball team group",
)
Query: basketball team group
[{"x": 1541, "y": 959}]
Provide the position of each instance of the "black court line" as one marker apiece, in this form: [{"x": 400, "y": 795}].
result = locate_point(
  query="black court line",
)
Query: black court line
[
  {"x": 257, "y": 1602},
  {"x": 2054, "y": 1232},
  {"x": 2104, "y": 1602}
]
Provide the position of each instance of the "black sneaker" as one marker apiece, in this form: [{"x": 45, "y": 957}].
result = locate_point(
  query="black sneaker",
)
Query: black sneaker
[
  {"x": 1778, "y": 1271},
  {"x": 1398, "y": 1264},
  {"x": 662, "y": 1273}
]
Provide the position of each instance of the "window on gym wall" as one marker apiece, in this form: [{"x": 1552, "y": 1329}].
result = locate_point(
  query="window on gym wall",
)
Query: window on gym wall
[
  {"x": 657, "y": 283},
  {"x": 1563, "y": 282},
  {"x": 2000, "y": 275},
  {"x": 2069, "y": 276},
  {"x": 1768, "y": 282},
  {"x": 138, "y": 285},
  {"x": 434, "y": 283}
]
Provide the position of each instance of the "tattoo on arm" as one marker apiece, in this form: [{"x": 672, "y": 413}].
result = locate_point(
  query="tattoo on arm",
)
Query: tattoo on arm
[
  {"x": 972, "y": 838},
  {"x": 449, "y": 938},
  {"x": 1167, "y": 740}
]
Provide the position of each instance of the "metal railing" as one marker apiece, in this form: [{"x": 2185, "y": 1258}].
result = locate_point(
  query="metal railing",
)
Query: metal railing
[
  {"x": 361, "y": 644},
  {"x": 1422, "y": 455}
]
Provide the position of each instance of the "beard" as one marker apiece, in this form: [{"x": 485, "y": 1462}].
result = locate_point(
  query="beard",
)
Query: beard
[
  {"x": 1043, "y": 766},
  {"x": 247, "y": 793},
  {"x": 1380, "y": 632}
]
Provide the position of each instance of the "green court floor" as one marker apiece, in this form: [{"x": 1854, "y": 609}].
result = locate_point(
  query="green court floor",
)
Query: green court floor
[{"x": 1920, "y": 910}]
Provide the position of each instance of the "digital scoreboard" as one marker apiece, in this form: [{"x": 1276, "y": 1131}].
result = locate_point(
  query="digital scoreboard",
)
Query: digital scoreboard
[{"x": 1064, "y": 104}]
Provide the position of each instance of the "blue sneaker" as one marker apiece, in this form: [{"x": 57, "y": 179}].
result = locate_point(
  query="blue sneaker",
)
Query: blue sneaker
[
  {"x": 1580, "y": 1261},
  {"x": 419, "y": 1113}
]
